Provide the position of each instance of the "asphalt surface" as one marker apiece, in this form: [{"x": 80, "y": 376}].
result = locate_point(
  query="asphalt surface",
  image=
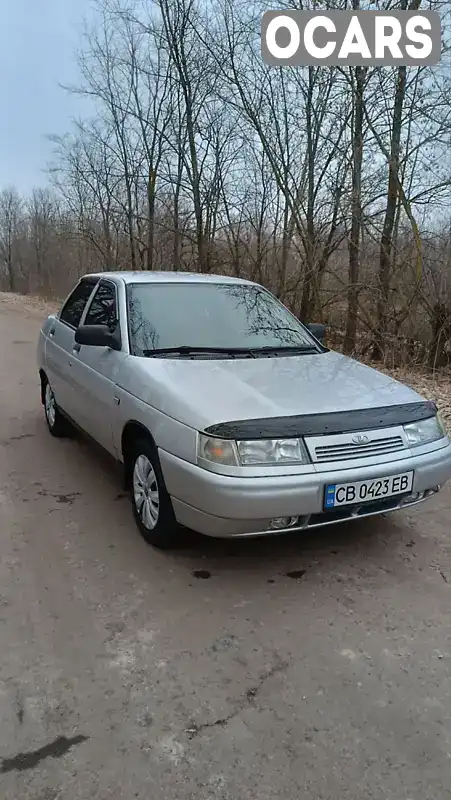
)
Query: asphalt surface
[{"x": 315, "y": 667}]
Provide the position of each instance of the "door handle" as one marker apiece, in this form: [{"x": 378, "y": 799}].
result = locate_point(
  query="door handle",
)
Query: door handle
[{"x": 76, "y": 348}]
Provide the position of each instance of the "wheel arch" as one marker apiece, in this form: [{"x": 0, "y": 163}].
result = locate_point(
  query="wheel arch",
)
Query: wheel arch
[
  {"x": 132, "y": 431},
  {"x": 44, "y": 381}
]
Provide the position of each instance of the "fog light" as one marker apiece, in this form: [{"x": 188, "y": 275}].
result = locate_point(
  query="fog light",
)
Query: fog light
[
  {"x": 282, "y": 522},
  {"x": 413, "y": 498}
]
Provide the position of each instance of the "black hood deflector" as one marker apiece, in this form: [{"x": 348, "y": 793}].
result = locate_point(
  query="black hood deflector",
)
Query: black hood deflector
[{"x": 324, "y": 424}]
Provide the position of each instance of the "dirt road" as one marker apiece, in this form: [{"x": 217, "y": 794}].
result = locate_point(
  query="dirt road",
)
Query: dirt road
[{"x": 310, "y": 668}]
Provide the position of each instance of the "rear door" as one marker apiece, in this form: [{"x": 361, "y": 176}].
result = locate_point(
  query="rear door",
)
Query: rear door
[
  {"x": 59, "y": 351},
  {"x": 94, "y": 369}
]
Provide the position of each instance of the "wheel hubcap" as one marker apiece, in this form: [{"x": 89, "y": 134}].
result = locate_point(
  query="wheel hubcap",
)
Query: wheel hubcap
[
  {"x": 145, "y": 491},
  {"x": 50, "y": 407}
]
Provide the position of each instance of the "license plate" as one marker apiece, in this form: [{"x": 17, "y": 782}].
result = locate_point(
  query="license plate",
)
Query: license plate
[{"x": 345, "y": 494}]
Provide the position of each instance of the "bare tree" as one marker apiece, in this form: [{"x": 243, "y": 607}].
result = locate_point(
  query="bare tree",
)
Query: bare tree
[
  {"x": 10, "y": 219},
  {"x": 358, "y": 78},
  {"x": 330, "y": 186}
]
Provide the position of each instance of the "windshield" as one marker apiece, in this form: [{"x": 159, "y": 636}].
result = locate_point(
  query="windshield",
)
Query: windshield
[{"x": 210, "y": 315}]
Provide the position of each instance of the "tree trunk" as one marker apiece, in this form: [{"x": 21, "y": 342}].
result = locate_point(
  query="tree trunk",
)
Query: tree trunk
[
  {"x": 177, "y": 240},
  {"x": 389, "y": 219},
  {"x": 308, "y": 287},
  {"x": 441, "y": 333},
  {"x": 386, "y": 246},
  {"x": 10, "y": 265},
  {"x": 356, "y": 213},
  {"x": 151, "y": 218}
]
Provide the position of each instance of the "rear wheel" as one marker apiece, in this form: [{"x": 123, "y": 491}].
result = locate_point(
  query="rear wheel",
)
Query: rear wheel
[
  {"x": 57, "y": 424},
  {"x": 152, "y": 506}
]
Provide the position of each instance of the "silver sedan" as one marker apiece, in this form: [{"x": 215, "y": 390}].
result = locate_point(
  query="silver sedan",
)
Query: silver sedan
[{"x": 228, "y": 415}]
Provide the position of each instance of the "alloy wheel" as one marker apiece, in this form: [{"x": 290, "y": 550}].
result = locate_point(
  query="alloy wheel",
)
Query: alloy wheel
[
  {"x": 145, "y": 492},
  {"x": 50, "y": 406}
]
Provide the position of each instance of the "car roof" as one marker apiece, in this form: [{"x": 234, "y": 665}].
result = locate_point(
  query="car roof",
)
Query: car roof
[{"x": 147, "y": 276}]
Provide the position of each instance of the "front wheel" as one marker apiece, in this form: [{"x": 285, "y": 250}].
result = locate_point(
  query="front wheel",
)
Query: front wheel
[
  {"x": 57, "y": 424},
  {"x": 152, "y": 506}
]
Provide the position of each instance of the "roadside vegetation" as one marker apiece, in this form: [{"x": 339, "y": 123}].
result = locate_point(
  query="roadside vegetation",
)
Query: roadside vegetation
[{"x": 331, "y": 187}]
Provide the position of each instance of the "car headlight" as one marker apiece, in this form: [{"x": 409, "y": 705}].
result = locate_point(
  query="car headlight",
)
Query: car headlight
[
  {"x": 272, "y": 451},
  {"x": 424, "y": 431},
  {"x": 253, "y": 452}
]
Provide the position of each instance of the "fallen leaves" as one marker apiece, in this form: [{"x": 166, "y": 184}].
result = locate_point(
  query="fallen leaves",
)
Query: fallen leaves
[{"x": 432, "y": 386}]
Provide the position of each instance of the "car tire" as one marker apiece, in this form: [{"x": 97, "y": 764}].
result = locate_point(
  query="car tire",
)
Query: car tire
[
  {"x": 57, "y": 423},
  {"x": 152, "y": 506}
]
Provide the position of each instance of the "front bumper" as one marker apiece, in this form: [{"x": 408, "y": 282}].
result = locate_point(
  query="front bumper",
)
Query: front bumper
[{"x": 222, "y": 506}]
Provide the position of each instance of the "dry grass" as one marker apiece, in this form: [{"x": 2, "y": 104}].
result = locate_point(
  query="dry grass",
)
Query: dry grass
[
  {"x": 30, "y": 303},
  {"x": 433, "y": 386}
]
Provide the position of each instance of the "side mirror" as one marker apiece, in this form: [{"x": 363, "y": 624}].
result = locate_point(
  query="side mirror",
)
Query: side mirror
[
  {"x": 318, "y": 330},
  {"x": 98, "y": 336}
]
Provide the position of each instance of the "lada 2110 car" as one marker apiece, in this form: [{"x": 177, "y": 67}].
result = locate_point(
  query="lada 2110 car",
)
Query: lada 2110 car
[{"x": 230, "y": 417}]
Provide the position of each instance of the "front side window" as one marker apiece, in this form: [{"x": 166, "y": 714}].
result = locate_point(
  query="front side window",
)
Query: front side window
[
  {"x": 75, "y": 305},
  {"x": 103, "y": 308},
  {"x": 210, "y": 315}
]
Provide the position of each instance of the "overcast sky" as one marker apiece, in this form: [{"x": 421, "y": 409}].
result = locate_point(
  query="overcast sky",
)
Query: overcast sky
[{"x": 37, "y": 42}]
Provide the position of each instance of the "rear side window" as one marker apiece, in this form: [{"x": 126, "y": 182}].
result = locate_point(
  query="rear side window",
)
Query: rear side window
[
  {"x": 75, "y": 305},
  {"x": 103, "y": 308}
]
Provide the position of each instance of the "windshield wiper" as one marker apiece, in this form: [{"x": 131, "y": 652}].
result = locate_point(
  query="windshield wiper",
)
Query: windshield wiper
[
  {"x": 252, "y": 352},
  {"x": 289, "y": 348},
  {"x": 187, "y": 350}
]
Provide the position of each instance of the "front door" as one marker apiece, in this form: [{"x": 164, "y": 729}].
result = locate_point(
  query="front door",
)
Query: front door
[
  {"x": 95, "y": 369},
  {"x": 60, "y": 346}
]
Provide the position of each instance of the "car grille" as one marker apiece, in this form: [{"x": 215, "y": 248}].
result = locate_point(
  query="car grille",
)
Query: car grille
[{"x": 346, "y": 451}]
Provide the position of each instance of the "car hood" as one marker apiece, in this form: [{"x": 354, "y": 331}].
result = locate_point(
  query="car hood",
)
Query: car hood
[{"x": 204, "y": 392}]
